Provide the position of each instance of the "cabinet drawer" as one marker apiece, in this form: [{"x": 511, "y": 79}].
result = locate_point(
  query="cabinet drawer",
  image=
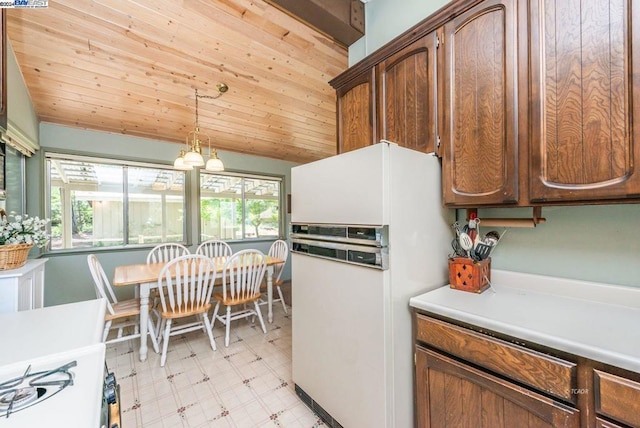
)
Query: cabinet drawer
[
  {"x": 452, "y": 394},
  {"x": 543, "y": 372},
  {"x": 617, "y": 398},
  {"x": 601, "y": 423}
]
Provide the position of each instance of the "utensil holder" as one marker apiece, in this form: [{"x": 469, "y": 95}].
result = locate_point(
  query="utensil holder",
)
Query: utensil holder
[{"x": 468, "y": 275}]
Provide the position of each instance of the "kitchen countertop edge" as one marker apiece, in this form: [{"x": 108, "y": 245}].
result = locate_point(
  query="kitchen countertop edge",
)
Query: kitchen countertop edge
[{"x": 445, "y": 301}]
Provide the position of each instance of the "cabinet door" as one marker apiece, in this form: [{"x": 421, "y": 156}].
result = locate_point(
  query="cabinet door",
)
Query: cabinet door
[
  {"x": 452, "y": 394},
  {"x": 407, "y": 96},
  {"x": 617, "y": 398},
  {"x": 25, "y": 292},
  {"x": 480, "y": 114},
  {"x": 355, "y": 110},
  {"x": 584, "y": 71}
]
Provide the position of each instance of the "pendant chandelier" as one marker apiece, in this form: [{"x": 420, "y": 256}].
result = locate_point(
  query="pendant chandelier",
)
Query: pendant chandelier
[{"x": 192, "y": 156}]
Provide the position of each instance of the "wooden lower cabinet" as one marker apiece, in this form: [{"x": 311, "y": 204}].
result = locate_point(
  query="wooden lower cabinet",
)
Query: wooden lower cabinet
[
  {"x": 467, "y": 376},
  {"x": 617, "y": 398},
  {"x": 453, "y": 394}
]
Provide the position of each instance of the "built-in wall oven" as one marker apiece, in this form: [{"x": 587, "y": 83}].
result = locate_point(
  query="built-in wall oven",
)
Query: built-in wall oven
[{"x": 357, "y": 244}]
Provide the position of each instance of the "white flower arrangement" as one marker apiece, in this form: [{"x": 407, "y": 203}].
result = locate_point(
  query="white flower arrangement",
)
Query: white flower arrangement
[{"x": 17, "y": 229}]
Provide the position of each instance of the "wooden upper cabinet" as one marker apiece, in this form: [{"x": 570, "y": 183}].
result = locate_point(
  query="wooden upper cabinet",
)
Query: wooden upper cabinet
[
  {"x": 356, "y": 112},
  {"x": 407, "y": 95},
  {"x": 584, "y": 70},
  {"x": 480, "y": 117}
]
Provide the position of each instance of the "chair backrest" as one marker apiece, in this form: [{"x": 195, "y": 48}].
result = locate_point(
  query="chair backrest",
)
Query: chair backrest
[
  {"x": 280, "y": 250},
  {"x": 243, "y": 274},
  {"x": 214, "y": 248},
  {"x": 165, "y": 252},
  {"x": 188, "y": 281},
  {"x": 101, "y": 282}
]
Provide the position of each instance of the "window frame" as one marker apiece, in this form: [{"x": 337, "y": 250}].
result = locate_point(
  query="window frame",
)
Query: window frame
[
  {"x": 125, "y": 164},
  {"x": 243, "y": 175}
]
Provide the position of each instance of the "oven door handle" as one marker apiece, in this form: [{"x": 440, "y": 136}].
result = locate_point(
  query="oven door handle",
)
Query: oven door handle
[
  {"x": 346, "y": 253},
  {"x": 338, "y": 245}
]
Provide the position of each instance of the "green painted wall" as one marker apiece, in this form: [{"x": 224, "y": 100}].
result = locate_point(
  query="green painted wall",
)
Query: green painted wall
[
  {"x": 593, "y": 243},
  {"x": 387, "y": 19}
]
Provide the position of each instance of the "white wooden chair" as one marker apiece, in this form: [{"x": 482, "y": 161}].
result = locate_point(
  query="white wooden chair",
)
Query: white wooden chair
[
  {"x": 166, "y": 251},
  {"x": 163, "y": 253},
  {"x": 214, "y": 248},
  {"x": 280, "y": 250},
  {"x": 241, "y": 278},
  {"x": 185, "y": 285},
  {"x": 122, "y": 315}
]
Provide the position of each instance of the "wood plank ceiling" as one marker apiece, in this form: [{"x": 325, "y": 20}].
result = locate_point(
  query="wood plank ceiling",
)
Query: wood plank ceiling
[{"x": 132, "y": 67}]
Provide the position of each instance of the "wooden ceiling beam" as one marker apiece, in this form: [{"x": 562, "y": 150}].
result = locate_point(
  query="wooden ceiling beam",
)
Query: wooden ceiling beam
[{"x": 342, "y": 20}]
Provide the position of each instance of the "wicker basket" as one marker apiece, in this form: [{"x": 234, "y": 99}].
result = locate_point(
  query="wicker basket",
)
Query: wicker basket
[{"x": 14, "y": 256}]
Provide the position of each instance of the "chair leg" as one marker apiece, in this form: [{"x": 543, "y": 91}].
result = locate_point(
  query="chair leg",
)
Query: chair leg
[
  {"x": 208, "y": 328},
  {"x": 105, "y": 332},
  {"x": 160, "y": 330},
  {"x": 154, "y": 337},
  {"x": 215, "y": 314},
  {"x": 284, "y": 306},
  {"x": 167, "y": 330},
  {"x": 158, "y": 316},
  {"x": 264, "y": 329},
  {"x": 228, "y": 325}
]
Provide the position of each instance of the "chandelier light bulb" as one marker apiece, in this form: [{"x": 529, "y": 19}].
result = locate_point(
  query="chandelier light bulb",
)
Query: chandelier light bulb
[{"x": 179, "y": 163}]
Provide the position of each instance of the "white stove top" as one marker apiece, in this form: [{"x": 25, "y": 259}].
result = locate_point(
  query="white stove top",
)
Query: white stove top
[
  {"x": 46, "y": 339},
  {"x": 76, "y": 405}
]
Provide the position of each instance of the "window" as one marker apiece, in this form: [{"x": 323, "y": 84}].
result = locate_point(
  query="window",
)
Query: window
[
  {"x": 234, "y": 206},
  {"x": 102, "y": 203}
]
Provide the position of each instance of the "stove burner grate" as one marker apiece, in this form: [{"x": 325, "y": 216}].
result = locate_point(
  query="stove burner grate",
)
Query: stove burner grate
[
  {"x": 32, "y": 388},
  {"x": 17, "y": 398}
]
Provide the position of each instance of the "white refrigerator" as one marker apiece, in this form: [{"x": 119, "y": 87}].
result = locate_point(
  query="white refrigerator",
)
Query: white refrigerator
[{"x": 352, "y": 339}]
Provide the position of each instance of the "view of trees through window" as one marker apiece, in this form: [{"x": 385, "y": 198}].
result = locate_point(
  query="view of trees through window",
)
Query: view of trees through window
[
  {"x": 239, "y": 207},
  {"x": 104, "y": 203},
  {"x": 94, "y": 204}
]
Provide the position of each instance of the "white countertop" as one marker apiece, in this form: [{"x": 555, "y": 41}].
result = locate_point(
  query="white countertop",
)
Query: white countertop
[
  {"x": 30, "y": 265},
  {"x": 30, "y": 334},
  {"x": 593, "y": 320}
]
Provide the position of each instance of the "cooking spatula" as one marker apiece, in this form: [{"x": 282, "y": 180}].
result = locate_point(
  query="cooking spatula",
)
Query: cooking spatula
[{"x": 482, "y": 250}]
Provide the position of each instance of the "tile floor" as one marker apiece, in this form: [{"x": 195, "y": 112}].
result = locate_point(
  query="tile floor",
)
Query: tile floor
[{"x": 247, "y": 384}]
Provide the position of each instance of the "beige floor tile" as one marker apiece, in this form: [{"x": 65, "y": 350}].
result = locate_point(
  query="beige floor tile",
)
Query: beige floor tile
[{"x": 245, "y": 385}]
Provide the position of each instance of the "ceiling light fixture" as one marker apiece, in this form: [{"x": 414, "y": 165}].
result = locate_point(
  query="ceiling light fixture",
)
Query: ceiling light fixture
[{"x": 192, "y": 157}]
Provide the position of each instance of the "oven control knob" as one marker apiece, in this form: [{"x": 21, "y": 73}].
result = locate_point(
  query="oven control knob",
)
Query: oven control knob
[
  {"x": 110, "y": 394},
  {"x": 110, "y": 389},
  {"x": 110, "y": 380}
]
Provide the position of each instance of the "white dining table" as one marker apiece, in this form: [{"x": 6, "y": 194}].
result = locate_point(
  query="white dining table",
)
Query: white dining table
[{"x": 146, "y": 277}]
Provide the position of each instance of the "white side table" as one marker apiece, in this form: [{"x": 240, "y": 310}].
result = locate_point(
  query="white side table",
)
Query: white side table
[{"x": 23, "y": 288}]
